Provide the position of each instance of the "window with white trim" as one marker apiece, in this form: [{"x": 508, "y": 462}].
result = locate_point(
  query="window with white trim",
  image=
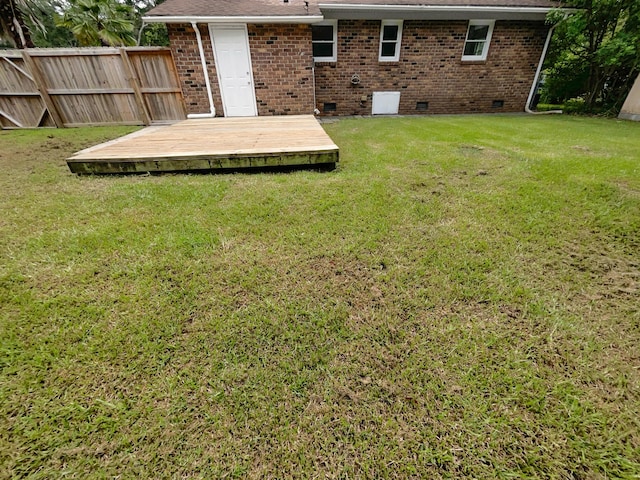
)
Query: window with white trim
[
  {"x": 324, "y": 39},
  {"x": 476, "y": 45},
  {"x": 390, "y": 39}
]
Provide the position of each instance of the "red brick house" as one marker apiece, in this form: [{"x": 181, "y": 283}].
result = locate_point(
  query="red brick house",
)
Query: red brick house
[{"x": 356, "y": 57}]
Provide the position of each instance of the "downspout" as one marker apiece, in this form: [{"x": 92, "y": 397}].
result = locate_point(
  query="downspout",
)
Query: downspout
[
  {"x": 313, "y": 74},
  {"x": 206, "y": 78},
  {"x": 537, "y": 77}
]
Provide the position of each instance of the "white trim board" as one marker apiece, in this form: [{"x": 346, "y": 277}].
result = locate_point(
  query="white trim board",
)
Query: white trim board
[{"x": 431, "y": 12}]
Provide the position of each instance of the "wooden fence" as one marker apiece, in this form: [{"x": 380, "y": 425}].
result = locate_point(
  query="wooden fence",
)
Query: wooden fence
[{"x": 99, "y": 86}]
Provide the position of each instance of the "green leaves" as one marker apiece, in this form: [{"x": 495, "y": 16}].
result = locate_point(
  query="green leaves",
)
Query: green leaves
[
  {"x": 595, "y": 54},
  {"x": 62, "y": 23},
  {"x": 100, "y": 22}
]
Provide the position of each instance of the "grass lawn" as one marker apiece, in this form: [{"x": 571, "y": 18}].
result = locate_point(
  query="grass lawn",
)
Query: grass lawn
[{"x": 461, "y": 298}]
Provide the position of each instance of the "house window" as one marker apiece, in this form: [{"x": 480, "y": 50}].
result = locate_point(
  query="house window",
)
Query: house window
[
  {"x": 324, "y": 37},
  {"x": 478, "y": 39},
  {"x": 390, "y": 38}
]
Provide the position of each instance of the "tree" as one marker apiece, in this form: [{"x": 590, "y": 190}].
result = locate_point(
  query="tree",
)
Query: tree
[
  {"x": 595, "y": 54},
  {"x": 67, "y": 23},
  {"x": 51, "y": 34},
  {"x": 154, "y": 34},
  {"x": 14, "y": 15},
  {"x": 148, "y": 34},
  {"x": 100, "y": 22}
]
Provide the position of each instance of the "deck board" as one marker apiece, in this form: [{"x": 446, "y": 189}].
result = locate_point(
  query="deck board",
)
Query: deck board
[{"x": 213, "y": 143}]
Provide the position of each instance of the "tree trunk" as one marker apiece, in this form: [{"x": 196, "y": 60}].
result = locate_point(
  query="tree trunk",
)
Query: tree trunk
[{"x": 13, "y": 24}]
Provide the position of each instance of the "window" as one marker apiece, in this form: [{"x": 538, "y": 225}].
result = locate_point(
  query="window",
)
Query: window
[
  {"x": 390, "y": 37},
  {"x": 324, "y": 37},
  {"x": 476, "y": 45}
]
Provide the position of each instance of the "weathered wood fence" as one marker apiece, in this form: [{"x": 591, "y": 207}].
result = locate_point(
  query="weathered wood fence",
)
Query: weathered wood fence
[{"x": 99, "y": 86}]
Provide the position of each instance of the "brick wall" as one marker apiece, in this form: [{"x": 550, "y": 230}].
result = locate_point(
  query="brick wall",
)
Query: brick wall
[
  {"x": 430, "y": 69},
  {"x": 184, "y": 46},
  {"x": 282, "y": 64}
]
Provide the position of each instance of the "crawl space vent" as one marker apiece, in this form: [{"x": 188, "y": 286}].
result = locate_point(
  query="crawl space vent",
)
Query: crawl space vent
[{"x": 329, "y": 107}]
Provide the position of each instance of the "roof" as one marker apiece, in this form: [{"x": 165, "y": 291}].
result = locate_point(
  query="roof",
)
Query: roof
[
  {"x": 313, "y": 10},
  {"x": 235, "y": 8}
]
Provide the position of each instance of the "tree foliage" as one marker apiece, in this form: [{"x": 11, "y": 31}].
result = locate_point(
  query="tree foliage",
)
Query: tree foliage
[
  {"x": 50, "y": 34},
  {"x": 63, "y": 23},
  {"x": 595, "y": 54},
  {"x": 148, "y": 34},
  {"x": 100, "y": 22},
  {"x": 16, "y": 18}
]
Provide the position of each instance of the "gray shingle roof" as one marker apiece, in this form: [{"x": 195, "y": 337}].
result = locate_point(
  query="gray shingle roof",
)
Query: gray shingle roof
[
  {"x": 235, "y": 8},
  {"x": 271, "y": 8}
]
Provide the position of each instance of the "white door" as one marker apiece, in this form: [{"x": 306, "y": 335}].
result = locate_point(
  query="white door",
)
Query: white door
[{"x": 233, "y": 65}]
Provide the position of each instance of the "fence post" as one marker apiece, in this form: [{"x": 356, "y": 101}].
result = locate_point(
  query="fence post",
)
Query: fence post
[
  {"x": 134, "y": 81},
  {"x": 38, "y": 79}
]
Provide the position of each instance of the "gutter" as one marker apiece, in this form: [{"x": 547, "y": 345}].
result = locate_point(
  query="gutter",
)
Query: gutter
[
  {"x": 527, "y": 107},
  {"x": 248, "y": 19},
  {"x": 212, "y": 109}
]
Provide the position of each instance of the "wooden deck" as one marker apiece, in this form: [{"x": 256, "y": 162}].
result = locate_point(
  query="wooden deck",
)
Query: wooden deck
[{"x": 213, "y": 144}]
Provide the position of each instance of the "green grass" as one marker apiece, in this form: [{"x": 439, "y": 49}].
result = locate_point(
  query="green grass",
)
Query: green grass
[
  {"x": 459, "y": 299},
  {"x": 545, "y": 107}
]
